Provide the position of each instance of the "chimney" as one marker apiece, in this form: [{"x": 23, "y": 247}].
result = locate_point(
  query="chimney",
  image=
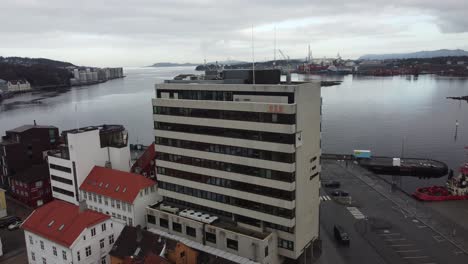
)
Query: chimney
[
  {"x": 34, "y": 122},
  {"x": 82, "y": 206}
]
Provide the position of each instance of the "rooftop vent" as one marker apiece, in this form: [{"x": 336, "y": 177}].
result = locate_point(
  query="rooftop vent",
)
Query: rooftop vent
[
  {"x": 117, "y": 189},
  {"x": 51, "y": 223},
  {"x": 107, "y": 185},
  {"x": 124, "y": 189},
  {"x": 61, "y": 227},
  {"x": 100, "y": 184}
]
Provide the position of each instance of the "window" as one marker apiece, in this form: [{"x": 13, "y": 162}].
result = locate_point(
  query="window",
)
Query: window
[
  {"x": 164, "y": 223},
  {"x": 103, "y": 227},
  {"x": 54, "y": 251},
  {"x": 60, "y": 168},
  {"x": 88, "y": 251},
  {"x": 42, "y": 245},
  {"x": 101, "y": 243},
  {"x": 129, "y": 207},
  {"x": 31, "y": 240},
  {"x": 282, "y": 243},
  {"x": 64, "y": 255},
  {"x": 151, "y": 219},
  {"x": 100, "y": 199},
  {"x": 119, "y": 216},
  {"x": 124, "y": 218},
  {"x": 103, "y": 260},
  {"x": 113, "y": 214},
  {"x": 130, "y": 221},
  {"x": 61, "y": 179},
  {"x": 94, "y": 197},
  {"x": 93, "y": 231},
  {"x": 152, "y": 188},
  {"x": 44, "y": 260},
  {"x": 266, "y": 251},
  {"x": 106, "y": 202},
  {"x": 117, "y": 203},
  {"x": 146, "y": 191},
  {"x": 111, "y": 239},
  {"x": 191, "y": 231},
  {"x": 78, "y": 255},
  {"x": 33, "y": 256},
  {"x": 232, "y": 244},
  {"x": 84, "y": 237},
  {"x": 210, "y": 237},
  {"x": 177, "y": 227},
  {"x": 38, "y": 184},
  {"x": 182, "y": 254},
  {"x": 112, "y": 203},
  {"x": 62, "y": 191}
]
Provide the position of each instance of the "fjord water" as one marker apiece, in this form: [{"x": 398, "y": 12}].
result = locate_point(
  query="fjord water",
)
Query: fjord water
[{"x": 388, "y": 115}]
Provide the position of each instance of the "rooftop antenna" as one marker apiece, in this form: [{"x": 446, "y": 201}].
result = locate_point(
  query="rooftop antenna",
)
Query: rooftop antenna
[
  {"x": 274, "y": 50},
  {"x": 253, "y": 56}
]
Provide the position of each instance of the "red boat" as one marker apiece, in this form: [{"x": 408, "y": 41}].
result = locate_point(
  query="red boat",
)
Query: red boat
[{"x": 456, "y": 189}]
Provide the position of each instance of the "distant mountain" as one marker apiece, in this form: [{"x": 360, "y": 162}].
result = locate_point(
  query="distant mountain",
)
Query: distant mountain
[
  {"x": 417, "y": 55},
  {"x": 23, "y": 61},
  {"x": 171, "y": 64}
]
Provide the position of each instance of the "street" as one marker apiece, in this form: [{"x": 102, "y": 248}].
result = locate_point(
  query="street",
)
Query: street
[{"x": 380, "y": 230}]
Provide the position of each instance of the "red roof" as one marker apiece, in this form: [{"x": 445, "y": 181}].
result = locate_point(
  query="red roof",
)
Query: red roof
[
  {"x": 116, "y": 184},
  {"x": 61, "y": 222}
]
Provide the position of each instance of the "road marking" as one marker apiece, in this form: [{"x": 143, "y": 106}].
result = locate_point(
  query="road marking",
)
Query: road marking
[
  {"x": 356, "y": 213},
  {"x": 390, "y": 234},
  {"x": 325, "y": 198},
  {"x": 416, "y": 257},
  {"x": 401, "y": 245},
  {"x": 395, "y": 239},
  {"x": 415, "y": 221},
  {"x": 407, "y": 251},
  {"x": 421, "y": 226}
]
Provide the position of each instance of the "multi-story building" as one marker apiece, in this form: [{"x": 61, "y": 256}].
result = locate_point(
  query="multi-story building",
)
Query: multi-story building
[
  {"x": 32, "y": 186},
  {"x": 60, "y": 232},
  {"x": 23, "y": 147},
  {"x": 238, "y": 165},
  {"x": 84, "y": 148},
  {"x": 122, "y": 195},
  {"x": 18, "y": 86}
]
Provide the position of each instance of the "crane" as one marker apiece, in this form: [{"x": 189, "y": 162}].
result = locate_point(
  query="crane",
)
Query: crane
[{"x": 288, "y": 73}]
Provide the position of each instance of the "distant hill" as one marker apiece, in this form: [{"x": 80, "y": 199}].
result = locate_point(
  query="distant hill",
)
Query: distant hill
[
  {"x": 171, "y": 64},
  {"x": 417, "y": 55},
  {"x": 34, "y": 61},
  {"x": 37, "y": 71}
]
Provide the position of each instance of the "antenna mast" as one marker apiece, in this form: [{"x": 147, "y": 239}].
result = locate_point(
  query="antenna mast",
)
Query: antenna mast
[
  {"x": 274, "y": 49},
  {"x": 253, "y": 56}
]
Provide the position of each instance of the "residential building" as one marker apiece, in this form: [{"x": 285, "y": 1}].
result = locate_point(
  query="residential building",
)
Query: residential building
[
  {"x": 238, "y": 164},
  {"x": 32, "y": 186},
  {"x": 61, "y": 232},
  {"x": 84, "y": 148},
  {"x": 122, "y": 195},
  {"x": 23, "y": 147},
  {"x": 143, "y": 160},
  {"x": 18, "y": 86}
]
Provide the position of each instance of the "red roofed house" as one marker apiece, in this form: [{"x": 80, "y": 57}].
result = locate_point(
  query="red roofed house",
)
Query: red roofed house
[
  {"x": 61, "y": 232},
  {"x": 122, "y": 195}
]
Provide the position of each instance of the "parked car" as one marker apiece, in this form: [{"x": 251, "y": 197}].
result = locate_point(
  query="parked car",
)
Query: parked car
[
  {"x": 341, "y": 235},
  {"x": 8, "y": 220},
  {"x": 15, "y": 225},
  {"x": 332, "y": 184},
  {"x": 339, "y": 193}
]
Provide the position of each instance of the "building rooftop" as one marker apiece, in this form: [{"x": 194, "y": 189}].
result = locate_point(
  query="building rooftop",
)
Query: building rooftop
[
  {"x": 61, "y": 222},
  {"x": 102, "y": 129},
  {"x": 116, "y": 184},
  {"x": 137, "y": 243},
  {"x": 33, "y": 174},
  {"x": 24, "y": 128}
]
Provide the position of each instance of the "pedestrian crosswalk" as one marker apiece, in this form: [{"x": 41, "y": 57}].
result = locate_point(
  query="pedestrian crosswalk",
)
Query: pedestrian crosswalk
[
  {"x": 325, "y": 198},
  {"x": 356, "y": 212}
]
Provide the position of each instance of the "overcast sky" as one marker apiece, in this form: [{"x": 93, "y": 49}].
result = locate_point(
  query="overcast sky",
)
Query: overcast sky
[{"x": 141, "y": 32}]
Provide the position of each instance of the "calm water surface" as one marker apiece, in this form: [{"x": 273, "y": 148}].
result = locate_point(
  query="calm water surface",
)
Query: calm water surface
[{"x": 388, "y": 115}]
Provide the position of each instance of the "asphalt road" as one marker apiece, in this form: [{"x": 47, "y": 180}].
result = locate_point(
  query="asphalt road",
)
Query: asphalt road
[{"x": 380, "y": 231}]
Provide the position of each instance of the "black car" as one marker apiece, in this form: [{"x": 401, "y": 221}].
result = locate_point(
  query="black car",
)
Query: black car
[
  {"x": 341, "y": 235},
  {"x": 332, "y": 184},
  {"x": 339, "y": 193},
  {"x": 8, "y": 220}
]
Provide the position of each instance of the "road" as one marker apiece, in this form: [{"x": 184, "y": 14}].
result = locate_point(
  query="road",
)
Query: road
[{"x": 380, "y": 230}]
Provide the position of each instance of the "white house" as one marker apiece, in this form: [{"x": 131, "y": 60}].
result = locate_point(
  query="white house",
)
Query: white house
[
  {"x": 84, "y": 148},
  {"x": 18, "y": 85},
  {"x": 61, "y": 232},
  {"x": 119, "y": 194}
]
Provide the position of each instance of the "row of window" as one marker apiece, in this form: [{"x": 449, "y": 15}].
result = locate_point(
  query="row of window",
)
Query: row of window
[
  {"x": 97, "y": 198},
  {"x": 221, "y": 198},
  {"x": 238, "y": 218},
  {"x": 228, "y": 132},
  {"x": 228, "y": 150},
  {"x": 229, "y": 167},
  {"x": 227, "y": 115},
  {"x": 286, "y": 244},
  {"x": 217, "y": 95},
  {"x": 61, "y": 179},
  {"x": 236, "y": 185},
  {"x": 60, "y": 168},
  {"x": 62, "y": 191}
]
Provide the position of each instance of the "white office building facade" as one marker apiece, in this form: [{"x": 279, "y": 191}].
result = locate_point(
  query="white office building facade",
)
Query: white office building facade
[{"x": 246, "y": 153}]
